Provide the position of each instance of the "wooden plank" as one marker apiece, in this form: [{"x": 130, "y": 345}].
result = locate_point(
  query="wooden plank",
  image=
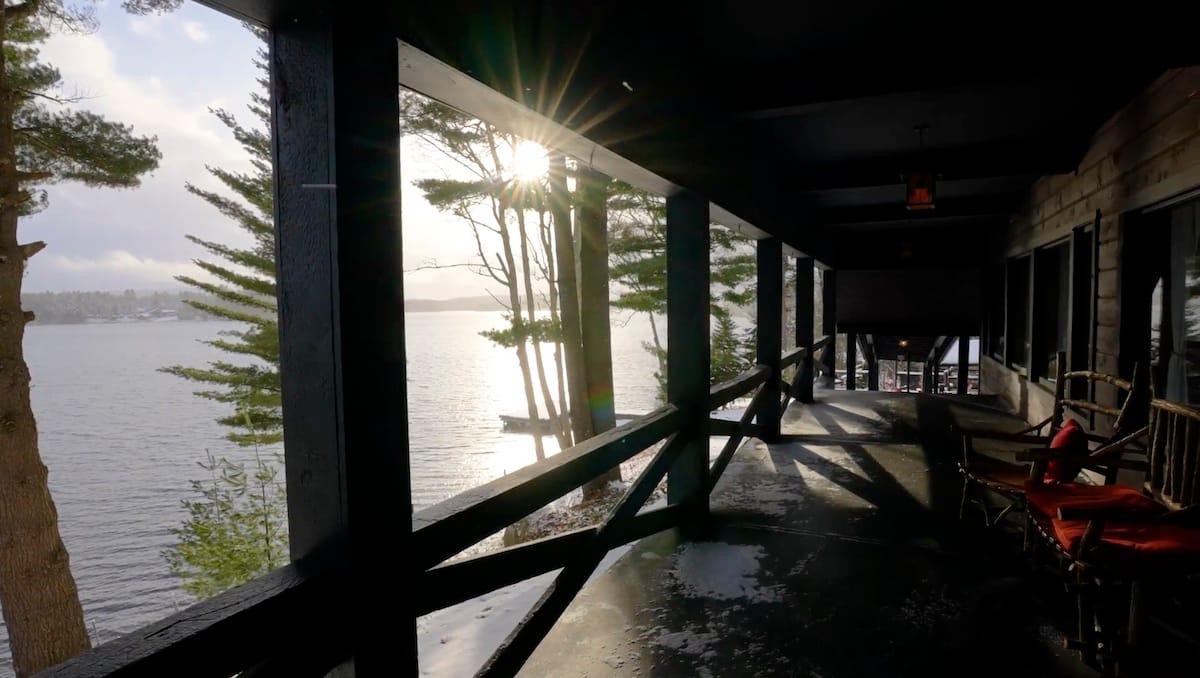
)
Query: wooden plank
[
  {"x": 444, "y": 529},
  {"x": 735, "y": 440},
  {"x": 453, "y": 583},
  {"x": 304, "y": 255},
  {"x": 792, "y": 357},
  {"x": 829, "y": 326},
  {"x": 804, "y": 328},
  {"x": 511, "y": 655},
  {"x": 688, "y": 358},
  {"x": 964, "y": 363},
  {"x": 727, "y": 391},
  {"x": 851, "y": 361},
  {"x": 285, "y": 611},
  {"x": 770, "y": 331}
]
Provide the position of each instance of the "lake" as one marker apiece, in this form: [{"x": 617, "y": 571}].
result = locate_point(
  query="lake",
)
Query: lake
[{"x": 122, "y": 440}]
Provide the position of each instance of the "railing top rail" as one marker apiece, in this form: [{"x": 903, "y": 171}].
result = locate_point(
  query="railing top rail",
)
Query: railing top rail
[
  {"x": 792, "y": 357},
  {"x": 444, "y": 529},
  {"x": 726, "y": 391},
  {"x": 1099, "y": 376}
]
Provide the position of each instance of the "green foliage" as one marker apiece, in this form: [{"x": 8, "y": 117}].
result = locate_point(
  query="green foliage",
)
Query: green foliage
[
  {"x": 235, "y": 531},
  {"x": 237, "y": 527},
  {"x": 638, "y": 252},
  {"x": 540, "y": 331},
  {"x": 52, "y": 140},
  {"x": 244, "y": 285}
]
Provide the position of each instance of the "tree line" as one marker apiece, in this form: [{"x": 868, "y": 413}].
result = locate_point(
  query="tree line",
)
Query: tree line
[{"x": 63, "y": 308}]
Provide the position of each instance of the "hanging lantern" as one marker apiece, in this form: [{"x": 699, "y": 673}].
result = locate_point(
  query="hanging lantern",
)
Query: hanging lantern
[{"x": 920, "y": 190}]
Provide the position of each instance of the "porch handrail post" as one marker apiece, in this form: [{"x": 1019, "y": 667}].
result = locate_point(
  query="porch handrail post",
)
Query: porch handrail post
[
  {"x": 336, "y": 136},
  {"x": 770, "y": 333},
  {"x": 829, "y": 326},
  {"x": 964, "y": 363},
  {"x": 851, "y": 361},
  {"x": 804, "y": 326},
  {"x": 688, "y": 351}
]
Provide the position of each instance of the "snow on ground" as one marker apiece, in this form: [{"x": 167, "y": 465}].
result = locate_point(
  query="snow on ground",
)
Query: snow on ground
[
  {"x": 721, "y": 571},
  {"x": 457, "y": 641}
]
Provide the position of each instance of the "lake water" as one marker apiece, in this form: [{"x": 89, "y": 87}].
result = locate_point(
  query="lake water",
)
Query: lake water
[{"x": 122, "y": 440}]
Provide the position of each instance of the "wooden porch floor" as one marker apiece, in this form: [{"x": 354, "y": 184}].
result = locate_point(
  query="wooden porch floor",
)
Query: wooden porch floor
[{"x": 827, "y": 560}]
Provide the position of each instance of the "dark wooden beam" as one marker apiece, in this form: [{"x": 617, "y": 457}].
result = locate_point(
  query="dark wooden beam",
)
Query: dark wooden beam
[
  {"x": 447, "y": 528},
  {"x": 1001, "y": 205},
  {"x": 770, "y": 331},
  {"x": 851, "y": 361},
  {"x": 688, "y": 359},
  {"x": 288, "y": 612},
  {"x": 721, "y": 394},
  {"x": 829, "y": 326},
  {"x": 964, "y": 362},
  {"x": 804, "y": 327},
  {"x": 974, "y": 161},
  {"x": 341, "y": 300}
]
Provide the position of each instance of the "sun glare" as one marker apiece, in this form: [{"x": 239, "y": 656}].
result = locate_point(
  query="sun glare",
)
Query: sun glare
[{"x": 529, "y": 161}]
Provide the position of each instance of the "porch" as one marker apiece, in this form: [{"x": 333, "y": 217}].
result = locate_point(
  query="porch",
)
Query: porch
[{"x": 829, "y": 558}]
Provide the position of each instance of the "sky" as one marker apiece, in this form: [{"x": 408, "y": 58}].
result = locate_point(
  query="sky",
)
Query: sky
[{"x": 162, "y": 75}]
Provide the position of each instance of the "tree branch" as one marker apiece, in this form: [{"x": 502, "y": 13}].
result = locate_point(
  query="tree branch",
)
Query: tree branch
[{"x": 30, "y": 249}]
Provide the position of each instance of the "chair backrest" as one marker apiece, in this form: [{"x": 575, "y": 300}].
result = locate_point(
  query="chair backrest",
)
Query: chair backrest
[
  {"x": 1174, "y": 454},
  {"x": 1133, "y": 395}
]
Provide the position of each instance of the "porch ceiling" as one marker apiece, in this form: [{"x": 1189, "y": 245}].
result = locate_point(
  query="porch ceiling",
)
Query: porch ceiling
[{"x": 801, "y": 118}]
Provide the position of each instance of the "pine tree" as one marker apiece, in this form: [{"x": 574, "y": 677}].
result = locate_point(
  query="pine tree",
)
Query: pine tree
[
  {"x": 43, "y": 140},
  {"x": 638, "y": 249},
  {"x": 236, "y": 528}
]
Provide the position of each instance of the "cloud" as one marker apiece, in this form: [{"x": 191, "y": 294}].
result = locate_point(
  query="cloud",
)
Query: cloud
[
  {"x": 121, "y": 267},
  {"x": 146, "y": 26},
  {"x": 196, "y": 32}
]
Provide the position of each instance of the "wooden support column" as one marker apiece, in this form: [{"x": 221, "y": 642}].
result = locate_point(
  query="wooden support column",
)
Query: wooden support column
[
  {"x": 873, "y": 374},
  {"x": 964, "y": 363},
  {"x": 770, "y": 333},
  {"x": 688, "y": 360},
  {"x": 341, "y": 324},
  {"x": 804, "y": 326},
  {"x": 851, "y": 361},
  {"x": 829, "y": 327}
]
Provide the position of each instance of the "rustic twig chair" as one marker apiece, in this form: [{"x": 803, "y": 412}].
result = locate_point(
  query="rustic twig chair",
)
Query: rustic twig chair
[
  {"x": 1114, "y": 550},
  {"x": 985, "y": 475}
]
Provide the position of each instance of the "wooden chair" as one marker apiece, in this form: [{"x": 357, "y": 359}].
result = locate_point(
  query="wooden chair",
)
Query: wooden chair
[
  {"x": 1115, "y": 550},
  {"x": 985, "y": 475}
]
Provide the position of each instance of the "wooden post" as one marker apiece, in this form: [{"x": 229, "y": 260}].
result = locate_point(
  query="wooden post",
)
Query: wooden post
[
  {"x": 829, "y": 326},
  {"x": 964, "y": 363},
  {"x": 851, "y": 361},
  {"x": 804, "y": 326},
  {"x": 770, "y": 333},
  {"x": 341, "y": 323},
  {"x": 873, "y": 374},
  {"x": 688, "y": 359}
]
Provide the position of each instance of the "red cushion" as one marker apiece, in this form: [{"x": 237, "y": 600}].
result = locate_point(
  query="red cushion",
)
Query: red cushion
[
  {"x": 1136, "y": 546},
  {"x": 1071, "y": 441},
  {"x": 1044, "y": 500}
]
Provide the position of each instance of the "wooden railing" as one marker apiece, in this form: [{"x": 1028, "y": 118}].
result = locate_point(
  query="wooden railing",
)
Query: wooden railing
[{"x": 287, "y": 613}]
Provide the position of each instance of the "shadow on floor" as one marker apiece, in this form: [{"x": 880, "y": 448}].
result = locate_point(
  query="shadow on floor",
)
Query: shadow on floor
[{"x": 827, "y": 560}]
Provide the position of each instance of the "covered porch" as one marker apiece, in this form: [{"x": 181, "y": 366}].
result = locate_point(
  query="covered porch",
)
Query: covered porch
[
  {"x": 839, "y": 514},
  {"x": 836, "y": 551}
]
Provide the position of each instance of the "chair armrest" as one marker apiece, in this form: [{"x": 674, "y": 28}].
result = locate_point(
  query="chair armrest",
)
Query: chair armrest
[
  {"x": 1100, "y": 513},
  {"x": 1041, "y": 454},
  {"x": 1106, "y": 464},
  {"x": 1187, "y": 517}
]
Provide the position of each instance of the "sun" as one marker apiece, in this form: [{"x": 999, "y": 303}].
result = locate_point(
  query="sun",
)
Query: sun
[{"x": 529, "y": 161}]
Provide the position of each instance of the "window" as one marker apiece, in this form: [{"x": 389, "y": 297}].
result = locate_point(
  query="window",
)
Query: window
[
  {"x": 1017, "y": 341},
  {"x": 994, "y": 298},
  {"x": 1053, "y": 297}
]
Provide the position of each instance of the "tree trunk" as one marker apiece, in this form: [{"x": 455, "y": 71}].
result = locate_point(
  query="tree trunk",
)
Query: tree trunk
[
  {"x": 531, "y": 308},
  {"x": 556, "y": 319},
  {"x": 514, "y": 300},
  {"x": 37, "y": 592},
  {"x": 568, "y": 292},
  {"x": 595, "y": 325}
]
